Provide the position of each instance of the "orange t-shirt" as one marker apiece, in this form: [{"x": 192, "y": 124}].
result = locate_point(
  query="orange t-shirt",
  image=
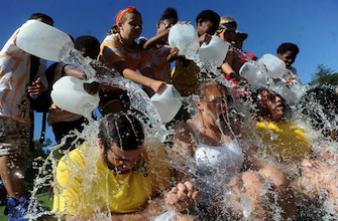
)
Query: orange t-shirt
[{"x": 135, "y": 59}]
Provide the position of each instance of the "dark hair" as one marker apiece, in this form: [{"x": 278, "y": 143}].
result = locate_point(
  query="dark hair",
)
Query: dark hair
[
  {"x": 204, "y": 86},
  {"x": 169, "y": 13},
  {"x": 88, "y": 43},
  {"x": 44, "y": 18},
  {"x": 288, "y": 46},
  {"x": 123, "y": 129},
  {"x": 257, "y": 108},
  {"x": 208, "y": 15},
  {"x": 320, "y": 104}
]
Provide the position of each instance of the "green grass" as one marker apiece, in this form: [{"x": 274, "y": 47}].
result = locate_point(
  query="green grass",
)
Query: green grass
[{"x": 45, "y": 199}]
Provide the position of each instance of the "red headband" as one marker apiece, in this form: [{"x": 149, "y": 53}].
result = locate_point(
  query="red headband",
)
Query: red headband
[{"x": 122, "y": 13}]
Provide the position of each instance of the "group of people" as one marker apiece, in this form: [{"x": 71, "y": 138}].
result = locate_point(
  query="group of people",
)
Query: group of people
[{"x": 237, "y": 155}]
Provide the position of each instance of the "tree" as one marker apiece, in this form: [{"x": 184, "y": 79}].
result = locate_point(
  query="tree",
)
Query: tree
[
  {"x": 325, "y": 76},
  {"x": 34, "y": 160}
]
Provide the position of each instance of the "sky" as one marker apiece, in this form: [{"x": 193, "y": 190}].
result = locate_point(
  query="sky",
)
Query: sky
[{"x": 311, "y": 24}]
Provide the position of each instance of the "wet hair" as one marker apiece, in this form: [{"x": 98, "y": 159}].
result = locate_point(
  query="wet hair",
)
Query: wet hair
[
  {"x": 44, "y": 18},
  {"x": 123, "y": 129},
  {"x": 288, "y": 46},
  {"x": 203, "y": 88},
  {"x": 108, "y": 100},
  {"x": 320, "y": 104},
  {"x": 257, "y": 108},
  {"x": 208, "y": 15},
  {"x": 169, "y": 13},
  {"x": 89, "y": 44}
]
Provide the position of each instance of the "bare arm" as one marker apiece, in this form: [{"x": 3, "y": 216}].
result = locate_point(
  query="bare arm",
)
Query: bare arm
[
  {"x": 156, "y": 39},
  {"x": 69, "y": 70},
  {"x": 173, "y": 55},
  {"x": 183, "y": 142},
  {"x": 183, "y": 149},
  {"x": 130, "y": 74}
]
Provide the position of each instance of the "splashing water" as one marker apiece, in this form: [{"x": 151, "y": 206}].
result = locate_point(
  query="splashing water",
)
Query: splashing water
[{"x": 157, "y": 133}]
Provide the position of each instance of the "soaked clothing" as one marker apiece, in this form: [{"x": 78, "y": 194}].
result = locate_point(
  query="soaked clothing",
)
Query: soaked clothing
[
  {"x": 184, "y": 77},
  {"x": 215, "y": 166},
  {"x": 84, "y": 187},
  {"x": 285, "y": 140},
  {"x": 14, "y": 137},
  {"x": 135, "y": 59},
  {"x": 228, "y": 157},
  {"x": 15, "y": 67}
]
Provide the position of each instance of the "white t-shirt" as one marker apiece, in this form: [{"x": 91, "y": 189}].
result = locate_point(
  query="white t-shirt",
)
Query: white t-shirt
[{"x": 14, "y": 79}]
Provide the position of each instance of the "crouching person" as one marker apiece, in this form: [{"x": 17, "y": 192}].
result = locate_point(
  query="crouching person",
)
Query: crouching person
[{"x": 120, "y": 178}]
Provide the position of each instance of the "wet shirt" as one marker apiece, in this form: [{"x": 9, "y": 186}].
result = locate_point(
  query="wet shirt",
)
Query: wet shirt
[
  {"x": 185, "y": 77},
  {"x": 14, "y": 79},
  {"x": 135, "y": 59},
  {"x": 227, "y": 158},
  {"x": 286, "y": 140},
  {"x": 56, "y": 114},
  {"x": 83, "y": 188}
]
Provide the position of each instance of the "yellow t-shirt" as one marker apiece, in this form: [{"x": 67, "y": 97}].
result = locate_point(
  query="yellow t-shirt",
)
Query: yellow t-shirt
[
  {"x": 82, "y": 188},
  {"x": 284, "y": 139},
  {"x": 185, "y": 78}
]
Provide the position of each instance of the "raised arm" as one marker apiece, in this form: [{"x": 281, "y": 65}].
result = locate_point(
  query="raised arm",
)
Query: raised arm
[
  {"x": 120, "y": 65},
  {"x": 156, "y": 39}
]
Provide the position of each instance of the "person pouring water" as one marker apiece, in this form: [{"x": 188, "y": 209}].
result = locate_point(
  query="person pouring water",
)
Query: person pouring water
[{"x": 120, "y": 51}]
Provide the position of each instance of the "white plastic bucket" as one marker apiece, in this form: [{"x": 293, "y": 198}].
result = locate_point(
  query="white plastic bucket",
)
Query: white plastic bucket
[
  {"x": 274, "y": 65},
  {"x": 167, "y": 103},
  {"x": 68, "y": 94},
  {"x": 185, "y": 38},
  {"x": 214, "y": 52},
  {"x": 42, "y": 40},
  {"x": 255, "y": 73}
]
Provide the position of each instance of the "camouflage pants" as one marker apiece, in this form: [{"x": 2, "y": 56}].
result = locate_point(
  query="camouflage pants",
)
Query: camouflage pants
[{"x": 14, "y": 137}]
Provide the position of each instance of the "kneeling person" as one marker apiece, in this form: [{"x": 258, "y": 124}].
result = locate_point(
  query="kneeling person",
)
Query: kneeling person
[{"x": 119, "y": 180}]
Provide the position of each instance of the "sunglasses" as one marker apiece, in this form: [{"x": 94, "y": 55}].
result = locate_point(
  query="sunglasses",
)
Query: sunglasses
[{"x": 229, "y": 25}]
